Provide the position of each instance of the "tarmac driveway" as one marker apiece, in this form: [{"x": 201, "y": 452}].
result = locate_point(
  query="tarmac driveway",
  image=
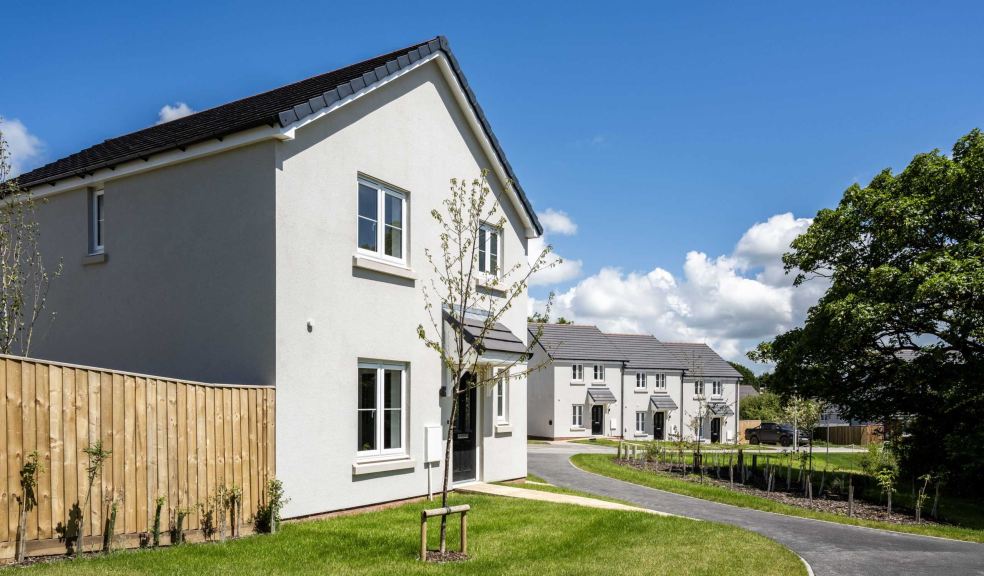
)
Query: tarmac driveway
[{"x": 829, "y": 548}]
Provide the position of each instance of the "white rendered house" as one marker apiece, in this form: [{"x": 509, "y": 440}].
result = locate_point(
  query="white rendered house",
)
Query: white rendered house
[
  {"x": 279, "y": 240},
  {"x": 660, "y": 389}
]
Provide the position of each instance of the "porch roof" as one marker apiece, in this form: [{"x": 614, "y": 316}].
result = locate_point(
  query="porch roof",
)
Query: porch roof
[
  {"x": 601, "y": 395},
  {"x": 662, "y": 402},
  {"x": 497, "y": 338},
  {"x": 719, "y": 409}
]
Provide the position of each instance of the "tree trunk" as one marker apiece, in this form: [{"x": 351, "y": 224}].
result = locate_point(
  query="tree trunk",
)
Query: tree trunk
[
  {"x": 889, "y": 504},
  {"x": 21, "y": 550},
  {"x": 88, "y": 496},
  {"x": 936, "y": 500},
  {"x": 850, "y": 498},
  {"x": 455, "y": 390}
]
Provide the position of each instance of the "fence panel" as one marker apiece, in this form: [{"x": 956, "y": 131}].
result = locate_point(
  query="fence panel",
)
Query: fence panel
[{"x": 182, "y": 440}]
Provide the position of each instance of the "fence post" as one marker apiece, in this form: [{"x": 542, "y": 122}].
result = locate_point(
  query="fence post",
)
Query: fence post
[
  {"x": 423, "y": 536},
  {"x": 464, "y": 532}
]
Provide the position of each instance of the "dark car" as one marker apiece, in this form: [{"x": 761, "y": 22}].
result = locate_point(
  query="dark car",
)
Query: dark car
[{"x": 772, "y": 433}]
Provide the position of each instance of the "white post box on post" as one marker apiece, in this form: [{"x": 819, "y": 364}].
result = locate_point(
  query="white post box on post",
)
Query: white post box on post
[{"x": 432, "y": 453}]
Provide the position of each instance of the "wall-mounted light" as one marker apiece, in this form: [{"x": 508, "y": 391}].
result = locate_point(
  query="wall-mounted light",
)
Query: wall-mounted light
[{"x": 310, "y": 325}]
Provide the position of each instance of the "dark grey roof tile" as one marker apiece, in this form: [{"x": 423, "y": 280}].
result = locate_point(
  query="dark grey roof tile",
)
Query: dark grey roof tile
[{"x": 575, "y": 342}]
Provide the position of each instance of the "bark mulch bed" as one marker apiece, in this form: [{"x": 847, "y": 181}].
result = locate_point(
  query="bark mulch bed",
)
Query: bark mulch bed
[
  {"x": 830, "y": 502},
  {"x": 439, "y": 557}
]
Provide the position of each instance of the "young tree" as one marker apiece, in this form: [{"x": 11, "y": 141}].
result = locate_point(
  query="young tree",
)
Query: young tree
[
  {"x": 24, "y": 278},
  {"x": 899, "y": 332},
  {"x": 27, "y": 499},
  {"x": 469, "y": 289},
  {"x": 97, "y": 459}
]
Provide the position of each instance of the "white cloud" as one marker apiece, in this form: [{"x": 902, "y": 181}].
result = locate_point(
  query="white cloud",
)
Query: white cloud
[
  {"x": 564, "y": 269},
  {"x": 168, "y": 113},
  {"x": 557, "y": 222},
  {"x": 25, "y": 148},
  {"x": 732, "y": 302}
]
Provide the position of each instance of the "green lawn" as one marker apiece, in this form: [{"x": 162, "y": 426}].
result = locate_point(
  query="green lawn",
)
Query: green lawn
[
  {"x": 687, "y": 446},
  {"x": 972, "y": 530},
  {"x": 506, "y": 536}
]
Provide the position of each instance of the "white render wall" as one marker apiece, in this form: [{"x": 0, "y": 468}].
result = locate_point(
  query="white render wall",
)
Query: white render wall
[
  {"x": 409, "y": 134},
  {"x": 552, "y": 394},
  {"x": 540, "y": 396}
]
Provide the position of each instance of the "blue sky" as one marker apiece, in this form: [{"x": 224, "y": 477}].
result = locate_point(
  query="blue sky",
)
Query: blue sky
[{"x": 660, "y": 130}]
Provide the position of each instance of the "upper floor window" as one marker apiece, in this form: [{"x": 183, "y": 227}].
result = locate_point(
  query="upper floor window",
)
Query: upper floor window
[
  {"x": 489, "y": 249},
  {"x": 599, "y": 373},
  {"x": 640, "y": 379},
  {"x": 577, "y": 372},
  {"x": 96, "y": 222},
  {"x": 382, "y": 401},
  {"x": 699, "y": 387},
  {"x": 717, "y": 388},
  {"x": 659, "y": 381},
  {"x": 382, "y": 221}
]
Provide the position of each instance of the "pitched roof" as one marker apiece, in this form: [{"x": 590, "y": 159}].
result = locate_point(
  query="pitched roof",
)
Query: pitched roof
[
  {"x": 497, "y": 337},
  {"x": 576, "y": 342},
  {"x": 645, "y": 351},
  {"x": 282, "y": 106},
  {"x": 700, "y": 358}
]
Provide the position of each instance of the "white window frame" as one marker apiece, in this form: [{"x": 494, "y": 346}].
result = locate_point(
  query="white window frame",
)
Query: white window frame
[
  {"x": 660, "y": 383},
  {"x": 641, "y": 380},
  {"x": 717, "y": 388},
  {"x": 485, "y": 261},
  {"x": 577, "y": 415},
  {"x": 97, "y": 225},
  {"x": 577, "y": 372},
  {"x": 640, "y": 422},
  {"x": 698, "y": 387},
  {"x": 380, "y": 251},
  {"x": 380, "y": 368},
  {"x": 598, "y": 373},
  {"x": 500, "y": 395}
]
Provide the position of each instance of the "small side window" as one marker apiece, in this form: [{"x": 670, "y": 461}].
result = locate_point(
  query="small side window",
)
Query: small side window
[{"x": 96, "y": 222}]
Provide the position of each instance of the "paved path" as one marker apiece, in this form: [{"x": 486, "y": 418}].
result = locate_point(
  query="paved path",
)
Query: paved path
[
  {"x": 526, "y": 494},
  {"x": 831, "y": 549}
]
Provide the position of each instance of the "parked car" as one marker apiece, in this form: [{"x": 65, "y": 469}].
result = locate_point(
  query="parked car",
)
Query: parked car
[{"x": 772, "y": 433}]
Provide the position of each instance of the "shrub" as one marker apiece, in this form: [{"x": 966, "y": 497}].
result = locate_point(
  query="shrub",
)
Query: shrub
[{"x": 267, "y": 518}]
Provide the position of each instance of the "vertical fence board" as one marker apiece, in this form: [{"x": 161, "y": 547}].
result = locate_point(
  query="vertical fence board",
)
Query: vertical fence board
[
  {"x": 93, "y": 510},
  {"x": 119, "y": 449},
  {"x": 210, "y": 458},
  {"x": 30, "y": 403},
  {"x": 140, "y": 456},
  {"x": 182, "y": 457},
  {"x": 201, "y": 453},
  {"x": 15, "y": 439},
  {"x": 174, "y": 501},
  {"x": 220, "y": 473},
  {"x": 128, "y": 516},
  {"x": 107, "y": 416},
  {"x": 5, "y": 498},
  {"x": 56, "y": 447},
  {"x": 227, "y": 435},
  {"x": 237, "y": 458},
  {"x": 162, "y": 452},
  {"x": 70, "y": 425},
  {"x": 43, "y": 446},
  {"x": 254, "y": 478},
  {"x": 191, "y": 432}
]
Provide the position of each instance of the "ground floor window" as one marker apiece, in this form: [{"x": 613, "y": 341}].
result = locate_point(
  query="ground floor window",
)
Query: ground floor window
[
  {"x": 381, "y": 411},
  {"x": 501, "y": 387},
  {"x": 577, "y": 415},
  {"x": 640, "y": 422}
]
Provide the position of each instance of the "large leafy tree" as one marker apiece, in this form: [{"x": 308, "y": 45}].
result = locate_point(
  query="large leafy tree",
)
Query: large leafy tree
[{"x": 899, "y": 334}]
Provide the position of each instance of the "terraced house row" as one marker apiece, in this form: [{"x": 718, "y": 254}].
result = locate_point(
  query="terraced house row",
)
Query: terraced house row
[{"x": 585, "y": 383}]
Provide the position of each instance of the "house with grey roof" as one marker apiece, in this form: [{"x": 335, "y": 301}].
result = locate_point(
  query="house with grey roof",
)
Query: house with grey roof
[
  {"x": 280, "y": 240},
  {"x": 574, "y": 386},
  {"x": 663, "y": 390}
]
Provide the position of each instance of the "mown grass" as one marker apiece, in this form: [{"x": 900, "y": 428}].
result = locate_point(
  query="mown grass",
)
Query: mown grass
[
  {"x": 605, "y": 465},
  {"x": 686, "y": 446},
  {"x": 506, "y": 536}
]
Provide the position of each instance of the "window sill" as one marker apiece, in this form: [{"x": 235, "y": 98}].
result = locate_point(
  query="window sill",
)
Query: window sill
[
  {"x": 598, "y": 383},
  {"x": 486, "y": 284},
  {"x": 577, "y": 429},
  {"x": 367, "y": 263},
  {"x": 577, "y": 383},
  {"x": 382, "y": 465},
  {"x": 640, "y": 435},
  {"x": 641, "y": 391},
  {"x": 97, "y": 258},
  {"x": 503, "y": 428}
]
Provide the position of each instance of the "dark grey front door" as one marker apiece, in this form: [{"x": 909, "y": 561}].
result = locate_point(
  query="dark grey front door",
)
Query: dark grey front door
[
  {"x": 597, "y": 419},
  {"x": 659, "y": 424},
  {"x": 465, "y": 437},
  {"x": 715, "y": 430}
]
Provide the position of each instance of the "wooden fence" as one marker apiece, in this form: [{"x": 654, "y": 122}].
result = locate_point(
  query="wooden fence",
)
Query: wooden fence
[
  {"x": 745, "y": 425},
  {"x": 860, "y": 435},
  {"x": 181, "y": 440}
]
